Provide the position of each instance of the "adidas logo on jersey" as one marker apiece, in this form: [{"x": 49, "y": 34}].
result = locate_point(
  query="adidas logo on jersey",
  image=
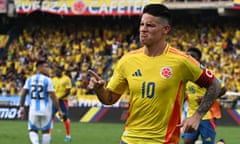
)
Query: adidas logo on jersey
[{"x": 137, "y": 73}]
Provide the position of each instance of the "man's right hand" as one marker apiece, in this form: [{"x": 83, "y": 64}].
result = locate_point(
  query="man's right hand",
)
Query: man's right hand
[
  {"x": 96, "y": 81},
  {"x": 60, "y": 113},
  {"x": 21, "y": 112}
]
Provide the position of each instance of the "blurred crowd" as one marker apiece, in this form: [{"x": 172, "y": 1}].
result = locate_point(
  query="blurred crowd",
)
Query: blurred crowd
[{"x": 79, "y": 47}]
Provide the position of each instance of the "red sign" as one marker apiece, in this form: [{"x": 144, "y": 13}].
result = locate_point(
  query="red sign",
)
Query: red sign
[
  {"x": 3, "y": 6},
  {"x": 83, "y": 7}
]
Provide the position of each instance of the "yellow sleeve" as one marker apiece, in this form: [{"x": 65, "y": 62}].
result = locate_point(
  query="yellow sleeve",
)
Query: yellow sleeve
[{"x": 118, "y": 83}]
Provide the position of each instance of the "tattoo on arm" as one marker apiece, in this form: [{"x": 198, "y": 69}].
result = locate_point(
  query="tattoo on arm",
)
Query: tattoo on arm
[{"x": 209, "y": 98}]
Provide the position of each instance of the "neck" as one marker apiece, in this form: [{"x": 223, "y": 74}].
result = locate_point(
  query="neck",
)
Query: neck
[
  {"x": 155, "y": 50},
  {"x": 39, "y": 72}
]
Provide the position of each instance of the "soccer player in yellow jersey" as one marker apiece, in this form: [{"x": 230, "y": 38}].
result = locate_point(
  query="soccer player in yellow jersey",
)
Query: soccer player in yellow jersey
[
  {"x": 63, "y": 84},
  {"x": 155, "y": 76},
  {"x": 207, "y": 127}
]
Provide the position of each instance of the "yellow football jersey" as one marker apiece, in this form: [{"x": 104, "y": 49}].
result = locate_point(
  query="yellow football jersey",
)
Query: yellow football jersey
[
  {"x": 61, "y": 85},
  {"x": 156, "y": 86}
]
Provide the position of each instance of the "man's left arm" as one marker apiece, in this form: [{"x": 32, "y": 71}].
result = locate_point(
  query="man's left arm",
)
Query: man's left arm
[
  {"x": 23, "y": 94},
  {"x": 212, "y": 93}
]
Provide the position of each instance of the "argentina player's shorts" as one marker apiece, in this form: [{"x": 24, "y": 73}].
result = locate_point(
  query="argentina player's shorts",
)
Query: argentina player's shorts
[{"x": 39, "y": 121}]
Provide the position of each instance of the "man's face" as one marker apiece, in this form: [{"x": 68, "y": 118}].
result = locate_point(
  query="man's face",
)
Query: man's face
[
  {"x": 45, "y": 69},
  {"x": 58, "y": 72},
  {"x": 151, "y": 29}
]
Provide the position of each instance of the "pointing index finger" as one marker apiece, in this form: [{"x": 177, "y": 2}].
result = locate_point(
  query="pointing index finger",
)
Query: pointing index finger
[{"x": 91, "y": 72}]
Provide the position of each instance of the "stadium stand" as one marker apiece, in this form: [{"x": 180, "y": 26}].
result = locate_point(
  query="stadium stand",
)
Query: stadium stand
[{"x": 78, "y": 43}]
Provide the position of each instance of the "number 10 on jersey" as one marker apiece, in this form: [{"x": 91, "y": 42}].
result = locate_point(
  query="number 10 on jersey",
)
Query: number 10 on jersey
[{"x": 148, "y": 89}]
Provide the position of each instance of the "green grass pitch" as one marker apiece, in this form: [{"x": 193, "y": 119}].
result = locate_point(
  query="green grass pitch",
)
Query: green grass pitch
[{"x": 12, "y": 132}]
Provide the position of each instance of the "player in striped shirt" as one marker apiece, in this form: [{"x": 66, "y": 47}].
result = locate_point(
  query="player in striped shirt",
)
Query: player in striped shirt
[{"x": 39, "y": 88}]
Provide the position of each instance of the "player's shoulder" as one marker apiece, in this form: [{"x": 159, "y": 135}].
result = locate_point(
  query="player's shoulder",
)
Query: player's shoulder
[
  {"x": 132, "y": 54},
  {"x": 176, "y": 52},
  {"x": 181, "y": 55},
  {"x": 38, "y": 78},
  {"x": 65, "y": 78},
  {"x": 43, "y": 76},
  {"x": 54, "y": 78}
]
